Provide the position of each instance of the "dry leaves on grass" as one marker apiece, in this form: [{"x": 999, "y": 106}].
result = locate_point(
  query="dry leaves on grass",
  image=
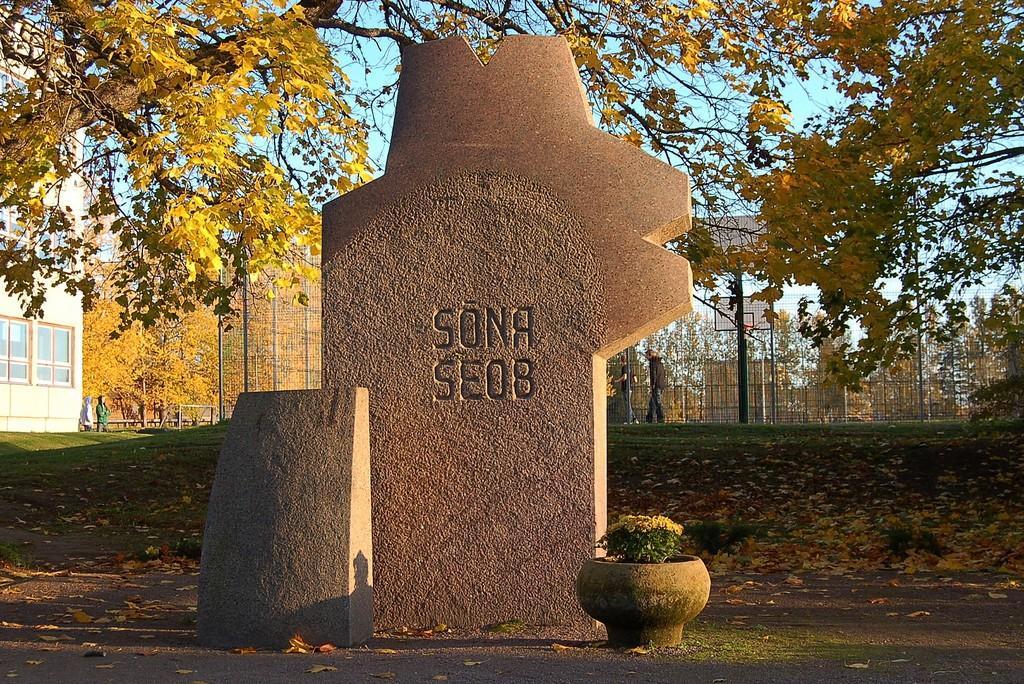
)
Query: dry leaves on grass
[{"x": 856, "y": 498}]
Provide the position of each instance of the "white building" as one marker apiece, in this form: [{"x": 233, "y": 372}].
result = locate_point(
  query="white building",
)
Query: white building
[{"x": 41, "y": 359}]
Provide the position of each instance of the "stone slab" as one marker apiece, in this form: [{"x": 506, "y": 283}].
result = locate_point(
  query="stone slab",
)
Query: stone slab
[
  {"x": 476, "y": 289},
  {"x": 287, "y": 548}
]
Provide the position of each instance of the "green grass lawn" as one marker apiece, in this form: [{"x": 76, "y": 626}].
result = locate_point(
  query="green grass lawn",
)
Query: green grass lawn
[
  {"x": 125, "y": 486},
  {"x": 812, "y": 496},
  {"x": 12, "y": 443}
]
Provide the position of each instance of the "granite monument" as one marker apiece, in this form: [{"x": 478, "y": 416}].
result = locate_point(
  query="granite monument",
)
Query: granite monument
[{"x": 477, "y": 289}]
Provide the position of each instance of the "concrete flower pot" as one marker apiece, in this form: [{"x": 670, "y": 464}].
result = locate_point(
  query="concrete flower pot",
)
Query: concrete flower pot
[{"x": 644, "y": 603}]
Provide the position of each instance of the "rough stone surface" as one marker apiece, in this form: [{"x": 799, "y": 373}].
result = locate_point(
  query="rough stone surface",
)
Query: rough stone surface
[
  {"x": 476, "y": 289},
  {"x": 287, "y": 548}
]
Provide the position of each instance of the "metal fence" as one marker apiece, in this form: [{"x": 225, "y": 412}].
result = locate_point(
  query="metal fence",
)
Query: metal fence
[
  {"x": 271, "y": 344},
  {"x": 275, "y": 344}
]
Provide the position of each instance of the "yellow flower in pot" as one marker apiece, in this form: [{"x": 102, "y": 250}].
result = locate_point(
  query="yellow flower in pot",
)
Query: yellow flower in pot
[{"x": 643, "y": 591}]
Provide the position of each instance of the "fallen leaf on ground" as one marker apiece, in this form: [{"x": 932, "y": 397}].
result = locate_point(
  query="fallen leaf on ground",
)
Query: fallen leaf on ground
[
  {"x": 105, "y": 667},
  {"x": 440, "y": 678},
  {"x": 184, "y": 671},
  {"x": 298, "y": 645},
  {"x": 879, "y": 601},
  {"x": 383, "y": 675},
  {"x": 857, "y": 666},
  {"x": 560, "y": 647},
  {"x": 996, "y": 595},
  {"x": 386, "y": 651},
  {"x": 321, "y": 668},
  {"x": 244, "y": 650},
  {"x": 640, "y": 650},
  {"x": 919, "y": 613},
  {"x": 325, "y": 648},
  {"x": 80, "y": 616},
  {"x": 471, "y": 663},
  {"x": 33, "y": 662}
]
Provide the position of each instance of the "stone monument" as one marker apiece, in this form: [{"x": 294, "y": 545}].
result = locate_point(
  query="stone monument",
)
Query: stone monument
[
  {"x": 476, "y": 290},
  {"x": 287, "y": 545}
]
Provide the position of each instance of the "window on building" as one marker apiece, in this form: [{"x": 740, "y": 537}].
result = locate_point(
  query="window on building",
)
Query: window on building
[
  {"x": 13, "y": 351},
  {"x": 53, "y": 355}
]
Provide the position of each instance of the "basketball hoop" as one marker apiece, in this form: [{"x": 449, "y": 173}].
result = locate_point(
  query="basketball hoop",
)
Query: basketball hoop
[{"x": 754, "y": 315}]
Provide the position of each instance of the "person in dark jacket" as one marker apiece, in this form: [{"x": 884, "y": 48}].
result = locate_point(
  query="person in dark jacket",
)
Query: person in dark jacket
[
  {"x": 658, "y": 382},
  {"x": 625, "y": 381}
]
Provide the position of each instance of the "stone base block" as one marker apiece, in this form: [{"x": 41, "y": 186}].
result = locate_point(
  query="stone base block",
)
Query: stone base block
[{"x": 287, "y": 548}]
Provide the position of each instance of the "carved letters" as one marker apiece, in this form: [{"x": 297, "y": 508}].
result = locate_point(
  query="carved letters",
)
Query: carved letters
[{"x": 488, "y": 347}]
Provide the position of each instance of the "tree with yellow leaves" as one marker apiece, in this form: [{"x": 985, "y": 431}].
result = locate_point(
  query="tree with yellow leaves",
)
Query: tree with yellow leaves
[
  {"x": 147, "y": 371},
  {"x": 911, "y": 177},
  {"x": 213, "y": 130}
]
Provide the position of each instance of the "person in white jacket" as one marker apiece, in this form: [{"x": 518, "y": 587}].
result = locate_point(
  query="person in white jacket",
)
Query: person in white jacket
[{"x": 85, "y": 420}]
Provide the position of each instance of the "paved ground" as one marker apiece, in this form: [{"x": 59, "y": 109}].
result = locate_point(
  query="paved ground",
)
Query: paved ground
[{"x": 104, "y": 627}]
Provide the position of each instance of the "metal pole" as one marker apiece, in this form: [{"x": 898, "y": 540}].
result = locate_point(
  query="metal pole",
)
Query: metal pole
[
  {"x": 920, "y": 376},
  {"x": 220, "y": 368},
  {"x": 775, "y": 386},
  {"x": 305, "y": 336},
  {"x": 245, "y": 333},
  {"x": 762, "y": 413},
  {"x": 628, "y": 380},
  {"x": 920, "y": 356},
  {"x": 743, "y": 379},
  {"x": 220, "y": 364},
  {"x": 273, "y": 341}
]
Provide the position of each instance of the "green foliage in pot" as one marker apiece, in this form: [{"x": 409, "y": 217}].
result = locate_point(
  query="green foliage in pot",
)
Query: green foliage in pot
[{"x": 642, "y": 539}]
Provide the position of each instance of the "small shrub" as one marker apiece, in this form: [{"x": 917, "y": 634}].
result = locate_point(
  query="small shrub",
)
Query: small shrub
[
  {"x": 185, "y": 547},
  {"x": 714, "y": 536},
  {"x": 188, "y": 547},
  {"x": 12, "y": 556},
  {"x": 902, "y": 540},
  {"x": 506, "y": 627},
  {"x": 642, "y": 539},
  {"x": 1000, "y": 399}
]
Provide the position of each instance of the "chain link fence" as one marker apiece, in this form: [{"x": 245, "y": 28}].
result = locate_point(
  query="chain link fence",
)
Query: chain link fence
[{"x": 275, "y": 344}]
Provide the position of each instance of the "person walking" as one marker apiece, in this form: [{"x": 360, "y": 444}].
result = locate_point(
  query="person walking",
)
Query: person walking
[
  {"x": 658, "y": 382},
  {"x": 626, "y": 380},
  {"x": 85, "y": 419},
  {"x": 102, "y": 415}
]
